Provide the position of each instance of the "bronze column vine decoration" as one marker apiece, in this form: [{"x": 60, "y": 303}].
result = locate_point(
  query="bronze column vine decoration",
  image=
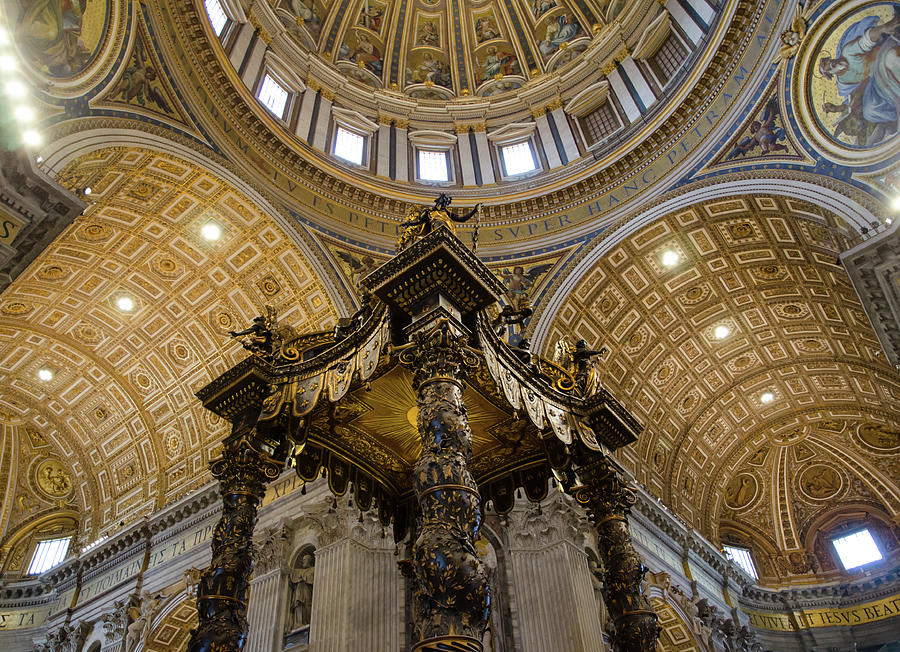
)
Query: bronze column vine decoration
[
  {"x": 608, "y": 501},
  {"x": 243, "y": 470},
  {"x": 451, "y": 592}
]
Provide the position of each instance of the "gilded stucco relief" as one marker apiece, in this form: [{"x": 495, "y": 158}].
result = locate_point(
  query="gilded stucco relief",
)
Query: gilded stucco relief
[
  {"x": 765, "y": 267},
  {"x": 121, "y": 397}
]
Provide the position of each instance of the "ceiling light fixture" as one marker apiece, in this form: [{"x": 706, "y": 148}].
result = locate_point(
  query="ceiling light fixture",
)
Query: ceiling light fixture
[
  {"x": 766, "y": 397},
  {"x": 31, "y": 138},
  {"x": 16, "y": 89},
  {"x": 888, "y": 221},
  {"x": 87, "y": 190},
  {"x": 721, "y": 332},
  {"x": 45, "y": 374},
  {"x": 125, "y": 303},
  {"x": 670, "y": 258},
  {"x": 24, "y": 113},
  {"x": 211, "y": 231}
]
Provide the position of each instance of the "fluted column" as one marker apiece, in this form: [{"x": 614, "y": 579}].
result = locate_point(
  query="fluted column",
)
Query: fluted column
[
  {"x": 264, "y": 611},
  {"x": 449, "y": 582},
  {"x": 608, "y": 501},
  {"x": 242, "y": 472},
  {"x": 345, "y": 618},
  {"x": 556, "y": 604}
]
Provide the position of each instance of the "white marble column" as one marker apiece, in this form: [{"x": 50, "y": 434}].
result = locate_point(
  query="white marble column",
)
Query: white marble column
[
  {"x": 255, "y": 62},
  {"x": 265, "y": 612},
  {"x": 639, "y": 82},
  {"x": 320, "y": 130},
  {"x": 632, "y": 112},
  {"x": 484, "y": 156},
  {"x": 241, "y": 42},
  {"x": 565, "y": 133},
  {"x": 304, "y": 119},
  {"x": 547, "y": 140},
  {"x": 465, "y": 156},
  {"x": 401, "y": 129},
  {"x": 556, "y": 606},
  {"x": 383, "y": 151},
  {"x": 690, "y": 28},
  {"x": 357, "y": 599}
]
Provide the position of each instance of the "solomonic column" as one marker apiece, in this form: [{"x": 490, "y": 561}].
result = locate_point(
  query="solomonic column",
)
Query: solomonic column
[
  {"x": 608, "y": 501},
  {"x": 242, "y": 471},
  {"x": 449, "y": 581}
]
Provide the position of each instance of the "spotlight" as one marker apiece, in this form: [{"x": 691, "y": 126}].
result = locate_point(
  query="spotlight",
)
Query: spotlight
[
  {"x": 670, "y": 258},
  {"x": 888, "y": 221},
  {"x": 766, "y": 397},
  {"x": 24, "y": 113},
  {"x": 211, "y": 231},
  {"x": 721, "y": 332},
  {"x": 45, "y": 374},
  {"x": 895, "y": 204},
  {"x": 16, "y": 89},
  {"x": 31, "y": 138},
  {"x": 125, "y": 303},
  {"x": 7, "y": 62},
  {"x": 87, "y": 190},
  {"x": 39, "y": 159}
]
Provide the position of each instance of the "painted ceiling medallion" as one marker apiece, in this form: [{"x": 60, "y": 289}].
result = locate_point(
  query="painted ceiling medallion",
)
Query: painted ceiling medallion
[
  {"x": 53, "y": 479},
  {"x": 845, "y": 83}
]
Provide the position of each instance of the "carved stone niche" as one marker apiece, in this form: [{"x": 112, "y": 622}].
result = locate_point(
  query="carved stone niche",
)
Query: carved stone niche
[{"x": 34, "y": 209}]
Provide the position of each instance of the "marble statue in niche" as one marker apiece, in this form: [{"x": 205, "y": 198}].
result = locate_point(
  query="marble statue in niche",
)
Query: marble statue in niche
[{"x": 301, "y": 583}]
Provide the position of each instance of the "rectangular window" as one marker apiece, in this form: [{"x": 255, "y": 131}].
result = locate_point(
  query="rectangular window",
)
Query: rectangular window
[
  {"x": 741, "y": 557},
  {"x": 433, "y": 165},
  {"x": 857, "y": 549},
  {"x": 518, "y": 158},
  {"x": 668, "y": 59},
  {"x": 599, "y": 123},
  {"x": 349, "y": 146},
  {"x": 273, "y": 96},
  {"x": 216, "y": 14},
  {"x": 48, "y": 554}
]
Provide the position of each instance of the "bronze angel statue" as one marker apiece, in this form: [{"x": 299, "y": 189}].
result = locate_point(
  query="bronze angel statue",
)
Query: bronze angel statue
[
  {"x": 421, "y": 222},
  {"x": 577, "y": 359},
  {"x": 264, "y": 336}
]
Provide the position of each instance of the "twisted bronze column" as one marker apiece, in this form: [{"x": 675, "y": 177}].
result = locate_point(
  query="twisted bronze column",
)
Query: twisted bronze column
[
  {"x": 450, "y": 586},
  {"x": 242, "y": 471},
  {"x": 608, "y": 500}
]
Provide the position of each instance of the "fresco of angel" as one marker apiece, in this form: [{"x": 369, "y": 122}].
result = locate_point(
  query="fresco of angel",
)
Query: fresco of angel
[
  {"x": 359, "y": 266},
  {"x": 136, "y": 84},
  {"x": 764, "y": 134}
]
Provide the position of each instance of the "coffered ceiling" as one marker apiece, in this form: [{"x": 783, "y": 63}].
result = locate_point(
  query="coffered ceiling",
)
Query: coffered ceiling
[
  {"x": 118, "y": 416},
  {"x": 765, "y": 268}
]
